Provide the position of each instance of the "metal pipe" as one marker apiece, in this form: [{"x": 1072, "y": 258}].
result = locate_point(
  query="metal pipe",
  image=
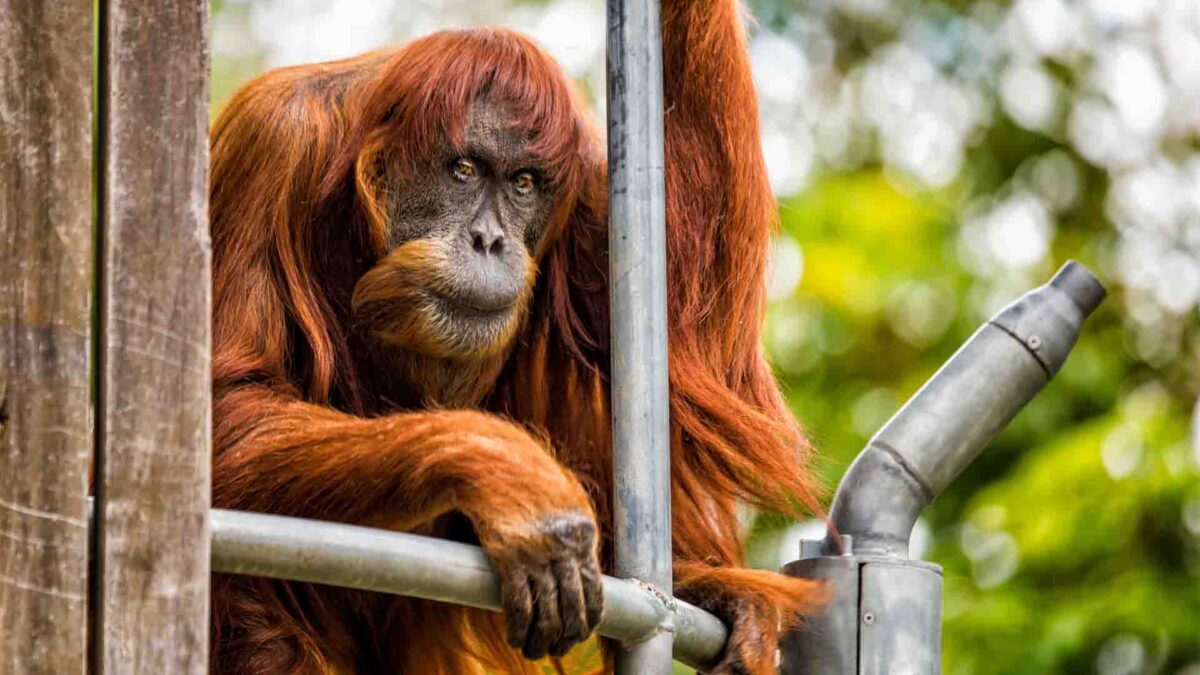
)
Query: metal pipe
[
  {"x": 885, "y": 611},
  {"x": 436, "y": 569},
  {"x": 637, "y": 273},
  {"x": 946, "y": 424}
]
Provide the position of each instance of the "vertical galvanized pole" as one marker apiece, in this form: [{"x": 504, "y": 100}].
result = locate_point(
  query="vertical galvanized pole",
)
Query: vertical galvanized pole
[
  {"x": 153, "y": 408},
  {"x": 45, "y": 273},
  {"x": 637, "y": 268}
]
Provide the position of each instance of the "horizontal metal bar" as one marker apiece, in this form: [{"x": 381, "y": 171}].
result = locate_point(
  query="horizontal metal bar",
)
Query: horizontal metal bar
[{"x": 435, "y": 569}]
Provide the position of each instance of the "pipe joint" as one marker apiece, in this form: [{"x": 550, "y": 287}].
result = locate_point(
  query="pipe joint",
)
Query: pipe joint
[
  {"x": 881, "y": 497},
  {"x": 666, "y": 610}
]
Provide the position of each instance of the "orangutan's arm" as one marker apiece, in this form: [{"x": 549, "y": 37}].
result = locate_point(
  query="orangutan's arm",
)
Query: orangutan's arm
[{"x": 285, "y": 456}]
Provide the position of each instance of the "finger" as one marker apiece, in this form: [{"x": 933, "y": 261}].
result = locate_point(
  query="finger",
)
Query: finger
[
  {"x": 517, "y": 604},
  {"x": 747, "y": 650},
  {"x": 547, "y": 624},
  {"x": 593, "y": 592},
  {"x": 571, "y": 606}
]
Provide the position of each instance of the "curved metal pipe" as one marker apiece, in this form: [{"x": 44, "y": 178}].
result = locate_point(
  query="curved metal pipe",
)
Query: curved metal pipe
[{"x": 946, "y": 424}]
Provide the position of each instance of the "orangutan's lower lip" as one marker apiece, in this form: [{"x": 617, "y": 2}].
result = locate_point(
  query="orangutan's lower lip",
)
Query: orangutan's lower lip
[{"x": 467, "y": 309}]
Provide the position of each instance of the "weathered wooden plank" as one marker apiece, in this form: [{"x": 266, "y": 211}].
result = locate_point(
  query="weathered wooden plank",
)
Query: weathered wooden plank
[
  {"x": 45, "y": 275},
  {"x": 154, "y": 402}
]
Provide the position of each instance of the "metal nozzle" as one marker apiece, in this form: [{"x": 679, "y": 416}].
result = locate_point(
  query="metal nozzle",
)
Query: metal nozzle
[{"x": 1080, "y": 285}]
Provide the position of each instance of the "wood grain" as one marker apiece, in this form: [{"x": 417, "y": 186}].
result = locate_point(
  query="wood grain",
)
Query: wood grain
[
  {"x": 45, "y": 276},
  {"x": 154, "y": 404}
]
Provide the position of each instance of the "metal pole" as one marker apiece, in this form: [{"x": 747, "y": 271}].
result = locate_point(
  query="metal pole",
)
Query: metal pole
[
  {"x": 637, "y": 268},
  {"x": 885, "y": 612},
  {"x": 435, "y": 569}
]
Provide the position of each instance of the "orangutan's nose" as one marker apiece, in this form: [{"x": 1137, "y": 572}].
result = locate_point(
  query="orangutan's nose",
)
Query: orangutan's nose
[{"x": 487, "y": 235}]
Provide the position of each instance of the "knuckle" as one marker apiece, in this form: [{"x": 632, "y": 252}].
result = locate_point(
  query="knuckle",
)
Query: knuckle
[
  {"x": 565, "y": 534},
  {"x": 575, "y": 628},
  {"x": 549, "y": 621},
  {"x": 572, "y": 628},
  {"x": 549, "y": 625}
]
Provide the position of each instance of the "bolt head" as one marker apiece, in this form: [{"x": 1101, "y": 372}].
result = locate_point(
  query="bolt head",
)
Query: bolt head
[
  {"x": 1034, "y": 342},
  {"x": 869, "y": 618}
]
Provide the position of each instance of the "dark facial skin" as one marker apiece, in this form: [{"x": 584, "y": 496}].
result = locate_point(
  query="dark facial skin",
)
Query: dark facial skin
[
  {"x": 439, "y": 310},
  {"x": 486, "y": 203},
  {"x": 465, "y": 229}
]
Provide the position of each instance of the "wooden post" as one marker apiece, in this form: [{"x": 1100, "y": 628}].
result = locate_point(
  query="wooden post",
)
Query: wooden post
[
  {"x": 45, "y": 273},
  {"x": 153, "y": 413}
]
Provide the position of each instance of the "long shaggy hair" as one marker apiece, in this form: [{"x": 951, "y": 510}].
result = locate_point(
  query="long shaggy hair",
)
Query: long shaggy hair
[{"x": 299, "y": 225}]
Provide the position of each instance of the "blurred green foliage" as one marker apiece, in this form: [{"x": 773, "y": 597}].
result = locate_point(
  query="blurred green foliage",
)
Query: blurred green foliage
[
  {"x": 1073, "y": 544},
  {"x": 1048, "y": 557}
]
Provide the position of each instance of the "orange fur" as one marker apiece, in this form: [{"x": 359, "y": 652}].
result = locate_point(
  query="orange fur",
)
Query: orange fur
[{"x": 300, "y": 260}]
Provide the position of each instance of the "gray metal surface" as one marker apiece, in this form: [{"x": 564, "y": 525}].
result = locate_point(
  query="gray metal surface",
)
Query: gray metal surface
[
  {"x": 884, "y": 618},
  {"x": 900, "y": 618},
  {"x": 435, "y": 569},
  {"x": 637, "y": 278},
  {"x": 828, "y": 643},
  {"x": 949, "y": 421}
]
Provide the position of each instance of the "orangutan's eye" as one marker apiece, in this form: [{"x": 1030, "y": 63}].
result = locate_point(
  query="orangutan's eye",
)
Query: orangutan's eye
[
  {"x": 524, "y": 182},
  {"x": 464, "y": 170}
]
